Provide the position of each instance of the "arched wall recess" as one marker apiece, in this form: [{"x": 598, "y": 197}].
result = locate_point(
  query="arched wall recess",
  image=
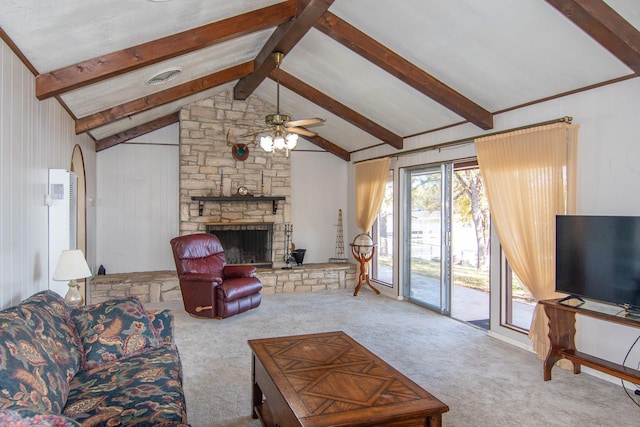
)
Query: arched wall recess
[{"x": 77, "y": 167}]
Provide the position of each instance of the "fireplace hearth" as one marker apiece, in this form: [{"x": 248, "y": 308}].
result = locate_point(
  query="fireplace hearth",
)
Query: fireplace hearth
[{"x": 245, "y": 243}]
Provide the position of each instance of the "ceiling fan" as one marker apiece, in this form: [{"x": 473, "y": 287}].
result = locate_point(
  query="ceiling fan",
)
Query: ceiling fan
[{"x": 284, "y": 131}]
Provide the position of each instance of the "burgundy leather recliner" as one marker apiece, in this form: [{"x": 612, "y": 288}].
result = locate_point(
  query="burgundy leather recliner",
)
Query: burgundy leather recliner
[{"x": 210, "y": 287}]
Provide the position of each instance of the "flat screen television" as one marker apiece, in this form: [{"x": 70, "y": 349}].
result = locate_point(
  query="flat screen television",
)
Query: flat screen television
[{"x": 598, "y": 257}]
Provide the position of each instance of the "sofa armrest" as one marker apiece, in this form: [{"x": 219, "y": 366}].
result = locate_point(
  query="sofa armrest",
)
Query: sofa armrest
[
  {"x": 201, "y": 278},
  {"x": 238, "y": 271},
  {"x": 163, "y": 321}
]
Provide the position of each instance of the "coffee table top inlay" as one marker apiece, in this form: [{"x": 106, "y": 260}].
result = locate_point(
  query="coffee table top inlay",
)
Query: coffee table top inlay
[{"x": 322, "y": 376}]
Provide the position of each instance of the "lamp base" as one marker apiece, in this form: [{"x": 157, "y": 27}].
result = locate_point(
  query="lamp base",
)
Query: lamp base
[{"x": 73, "y": 298}]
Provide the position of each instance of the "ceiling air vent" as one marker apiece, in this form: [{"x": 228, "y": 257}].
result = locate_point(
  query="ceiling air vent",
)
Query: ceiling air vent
[{"x": 164, "y": 76}]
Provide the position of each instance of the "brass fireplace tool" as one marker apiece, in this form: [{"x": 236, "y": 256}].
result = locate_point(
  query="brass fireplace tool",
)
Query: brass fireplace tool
[{"x": 288, "y": 258}]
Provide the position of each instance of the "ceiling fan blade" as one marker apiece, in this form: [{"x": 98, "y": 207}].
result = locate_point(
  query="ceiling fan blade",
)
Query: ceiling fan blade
[
  {"x": 253, "y": 132},
  {"x": 301, "y": 131},
  {"x": 315, "y": 121}
]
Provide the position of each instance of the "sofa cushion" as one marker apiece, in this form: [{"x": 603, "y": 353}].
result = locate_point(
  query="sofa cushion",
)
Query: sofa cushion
[
  {"x": 112, "y": 330},
  {"x": 50, "y": 316},
  {"x": 143, "y": 390},
  {"x": 162, "y": 321},
  {"x": 39, "y": 354},
  {"x": 28, "y": 418}
]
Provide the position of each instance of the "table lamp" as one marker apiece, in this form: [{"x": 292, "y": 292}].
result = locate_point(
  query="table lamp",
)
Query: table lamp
[{"x": 72, "y": 266}]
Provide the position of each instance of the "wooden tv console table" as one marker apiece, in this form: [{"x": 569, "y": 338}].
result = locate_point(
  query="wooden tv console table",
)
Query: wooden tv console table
[{"x": 562, "y": 330}]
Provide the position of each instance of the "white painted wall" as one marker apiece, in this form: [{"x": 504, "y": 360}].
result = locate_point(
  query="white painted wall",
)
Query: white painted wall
[
  {"x": 608, "y": 179},
  {"x": 608, "y": 184},
  {"x": 34, "y": 137},
  {"x": 137, "y": 205},
  {"x": 136, "y": 222},
  {"x": 319, "y": 189}
]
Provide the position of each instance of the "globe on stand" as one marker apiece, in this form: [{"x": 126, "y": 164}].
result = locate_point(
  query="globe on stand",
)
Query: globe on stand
[{"x": 363, "y": 248}]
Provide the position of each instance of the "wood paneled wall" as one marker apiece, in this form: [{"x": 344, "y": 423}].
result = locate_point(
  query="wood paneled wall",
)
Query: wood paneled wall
[
  {"x": 34, "y": 137},
  {"x": 137, "y": 206}
]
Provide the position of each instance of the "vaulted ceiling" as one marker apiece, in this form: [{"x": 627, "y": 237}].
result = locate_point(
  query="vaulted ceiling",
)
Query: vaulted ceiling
[{"x": 378, "y": 71}]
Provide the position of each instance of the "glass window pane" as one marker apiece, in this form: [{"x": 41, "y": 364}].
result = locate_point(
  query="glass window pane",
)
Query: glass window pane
[
  {"x": 382, "y": 263},
  {"x": 471, "y": 222},
  {"x": 518, "y": 302},
  {"x": 426, "y": 281}
]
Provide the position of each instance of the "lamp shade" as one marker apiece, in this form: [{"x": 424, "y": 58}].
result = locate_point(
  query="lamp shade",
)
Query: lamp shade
[{"x": 71, "y": 266}]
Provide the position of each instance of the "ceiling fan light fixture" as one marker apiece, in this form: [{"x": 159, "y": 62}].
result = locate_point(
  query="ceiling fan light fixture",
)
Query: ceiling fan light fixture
[
  {"x": 278, "y": 141},
  {"x": 266, "y": 143},
  {"x": 285, "y": 132},
  {"x": 291, "y": 141}
]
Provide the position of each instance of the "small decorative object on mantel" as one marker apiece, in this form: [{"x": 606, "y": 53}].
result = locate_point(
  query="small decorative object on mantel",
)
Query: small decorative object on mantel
[
  {"x": 221, "y": 181},
  {"x": 363, "y": 249},
  {"x": 243, "y": 191}
]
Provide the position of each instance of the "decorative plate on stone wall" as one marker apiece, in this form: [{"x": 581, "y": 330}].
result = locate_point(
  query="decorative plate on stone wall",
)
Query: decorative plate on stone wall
[{"x": 240, "y": 151}]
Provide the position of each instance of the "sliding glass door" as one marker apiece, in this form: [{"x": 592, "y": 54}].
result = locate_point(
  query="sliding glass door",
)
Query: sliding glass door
[{"x": 427, "y": 237}]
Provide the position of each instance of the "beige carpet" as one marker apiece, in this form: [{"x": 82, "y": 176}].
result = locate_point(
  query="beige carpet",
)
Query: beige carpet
[{"x": 484, "y": 381}]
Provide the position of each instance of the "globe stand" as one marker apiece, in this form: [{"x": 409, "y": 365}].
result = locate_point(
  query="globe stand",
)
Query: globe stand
[{"x": 363, "y": 253}]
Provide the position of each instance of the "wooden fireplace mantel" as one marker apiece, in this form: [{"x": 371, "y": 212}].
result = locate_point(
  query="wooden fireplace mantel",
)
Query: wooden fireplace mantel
[{"x": 201, "y": 199}]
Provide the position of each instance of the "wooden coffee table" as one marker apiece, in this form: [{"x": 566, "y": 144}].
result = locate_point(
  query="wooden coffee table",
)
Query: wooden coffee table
[{"x": 329, "y": 379}]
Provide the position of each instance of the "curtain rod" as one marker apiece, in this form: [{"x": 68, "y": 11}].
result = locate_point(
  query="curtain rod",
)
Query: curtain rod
[{"x": 565, "y": 119}]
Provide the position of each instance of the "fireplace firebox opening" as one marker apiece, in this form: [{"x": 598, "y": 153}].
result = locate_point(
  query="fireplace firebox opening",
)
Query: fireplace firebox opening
[{"x": 245, "y": 243}]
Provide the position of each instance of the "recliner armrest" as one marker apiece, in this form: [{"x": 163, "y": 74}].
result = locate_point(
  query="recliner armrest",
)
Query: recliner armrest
[
  {"x": 201, "y": 277},
  {"x": 237, "y": 271}
]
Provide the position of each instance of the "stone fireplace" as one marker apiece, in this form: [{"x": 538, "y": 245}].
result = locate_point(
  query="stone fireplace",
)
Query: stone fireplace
[{"x": 208, "y": 169}]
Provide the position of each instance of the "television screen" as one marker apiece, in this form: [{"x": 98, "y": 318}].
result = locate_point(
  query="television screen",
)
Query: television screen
[{"x": 598, "y": 257}]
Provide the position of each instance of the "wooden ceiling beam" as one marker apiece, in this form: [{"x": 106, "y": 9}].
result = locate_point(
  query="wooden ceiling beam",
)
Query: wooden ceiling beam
[
  {"x": 340, "y": 110},
  {"x": 135, "y": 132},
  {"x": 394, "y": 64},
  {"x": 329, "y": 147},
  {"x": 283, "y": 39},
  {"x": 148, "y": 102},
  {"x": 606, "y": 26},
  {"x": 117, "y": 63}
]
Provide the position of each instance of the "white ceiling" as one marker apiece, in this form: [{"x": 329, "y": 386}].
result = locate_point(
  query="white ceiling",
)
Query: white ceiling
[{"x": 497, "y": 53}]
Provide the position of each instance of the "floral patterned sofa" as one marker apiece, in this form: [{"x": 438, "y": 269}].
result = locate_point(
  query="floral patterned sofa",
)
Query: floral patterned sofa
[{"x": 108, "y": 364}]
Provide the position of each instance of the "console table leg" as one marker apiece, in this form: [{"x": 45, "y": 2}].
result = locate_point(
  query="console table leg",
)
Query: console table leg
[
  {"x": 256, "y": 393},
  {"x": 549, "y": 362},
  {"x": 562, "y": 331}
]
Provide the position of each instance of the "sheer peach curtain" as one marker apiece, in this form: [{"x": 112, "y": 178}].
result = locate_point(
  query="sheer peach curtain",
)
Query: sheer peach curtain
[
  {"x": 371, "y": 179},
  {"x": 530, "y": 178}
]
